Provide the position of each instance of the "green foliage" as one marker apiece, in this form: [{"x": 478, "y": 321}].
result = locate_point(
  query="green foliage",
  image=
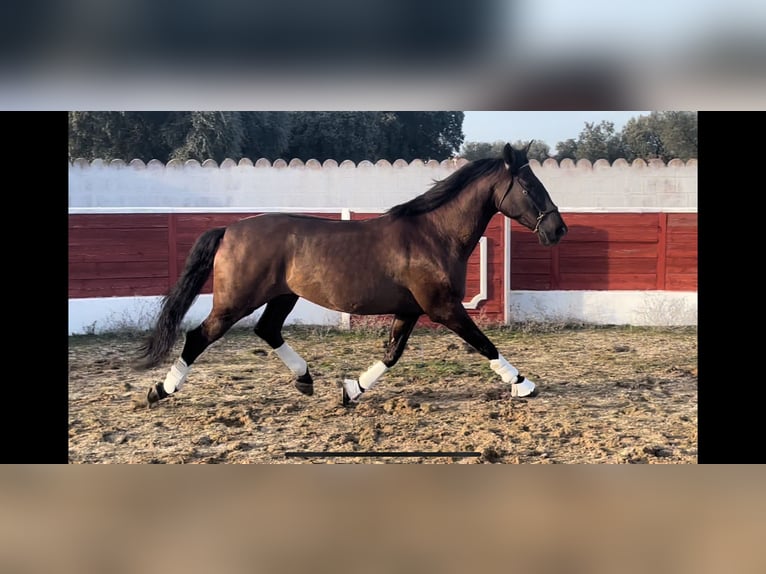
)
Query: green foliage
[
  {"x": 267, "y": 134},
  {"x": 664, "y": 135},
  {"x": 480, "y": 150},
  {"x": 566, "y": 150},
  {"x": 305, "y": 135},
  {"x": 335, "y": 135},
  {"x": 477, "y": 150},
  {"x": 203, "y": 135},
  {"x": 116, "y": 135},
  {"x": 598, "y": 141},
  {"x": 424, "y": 135}
]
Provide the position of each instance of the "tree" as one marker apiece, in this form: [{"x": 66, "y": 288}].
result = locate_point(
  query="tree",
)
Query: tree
[
  {"x": 203, "y": 135},
  {"x": 423, "y": 135},
  {"x": 155, "y": 135},
  {"x": 599, "y": 141},
  {"x": 115, "y": 135},
  {"x": 664, "y": 135},
  {"x": 479, "y": 150},
  {"x": 267, "y": 134},
  {"x": 566, "y": 150},
  {"x": 305, "y": 135},
  {"x": 679, "y": 134},
  {"x": 334, "y": 135}
]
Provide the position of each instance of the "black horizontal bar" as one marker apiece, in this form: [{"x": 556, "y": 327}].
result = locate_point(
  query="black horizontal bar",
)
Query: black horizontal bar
[{"x": 330, "y": 454}]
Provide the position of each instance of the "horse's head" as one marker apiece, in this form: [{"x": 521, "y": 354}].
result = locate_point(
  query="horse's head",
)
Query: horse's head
[{"x": 522, "y": 197}]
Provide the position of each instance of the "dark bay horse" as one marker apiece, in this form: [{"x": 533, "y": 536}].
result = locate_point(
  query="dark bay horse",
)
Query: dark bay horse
[{"x": 408, "y": 262}]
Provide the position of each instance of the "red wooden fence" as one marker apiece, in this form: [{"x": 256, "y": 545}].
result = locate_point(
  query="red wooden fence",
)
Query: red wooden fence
[{"x": 142, "y": 254}]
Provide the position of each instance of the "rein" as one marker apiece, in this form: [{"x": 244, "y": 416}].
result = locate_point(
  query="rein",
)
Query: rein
[{"x": 541, "y": 213}]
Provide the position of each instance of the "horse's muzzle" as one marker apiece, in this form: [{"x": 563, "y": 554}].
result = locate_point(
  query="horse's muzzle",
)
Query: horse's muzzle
[{"x": 549, "y": 237}]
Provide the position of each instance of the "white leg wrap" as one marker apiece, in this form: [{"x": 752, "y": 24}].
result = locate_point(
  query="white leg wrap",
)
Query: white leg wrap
[
  {"x": 353, "y": 390},
  {"x": 370, "y": 377},
  {"x": 293, "y": 360},
  {"x": 176, "y": 377},
  {"x": 507, "y": 372},
  {"x": 367, "y": 380}
]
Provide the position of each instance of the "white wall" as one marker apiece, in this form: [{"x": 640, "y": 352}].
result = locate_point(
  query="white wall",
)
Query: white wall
[
  {"x": 100, "y": 187},
  {"x": 109, "y": 314},
  {"x": 639, "y": 308}
]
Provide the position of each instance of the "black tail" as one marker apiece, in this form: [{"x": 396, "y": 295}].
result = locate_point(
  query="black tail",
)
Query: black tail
[{"x": 177, "y": 302}]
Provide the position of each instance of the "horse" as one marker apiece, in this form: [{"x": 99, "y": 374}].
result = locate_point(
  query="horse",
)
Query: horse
[{"x": 408, "y": 262}]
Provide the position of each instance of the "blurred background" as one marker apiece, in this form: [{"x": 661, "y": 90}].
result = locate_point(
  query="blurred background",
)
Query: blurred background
[
  {"x": 371, "y": 519},
  {"x": 383, "y": 54}
]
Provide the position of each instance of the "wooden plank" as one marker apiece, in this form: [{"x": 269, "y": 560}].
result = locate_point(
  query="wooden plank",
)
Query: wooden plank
[
  {"x": 627, "y": 233},
  {"x": 528, "y": 251},
  {"x": 117, "y": 220},
  {"x": 681, "y": 282},
  {"x": 661, "y": 251},
  {"x": 205, "y": 221},
  {"x": 687, "y": 265},
  {"x": 530, "y": 281},
  {"x": 118, "y": 245},
  {"x": 598, "y": 265},
  {"x": 87, "y": 237},
  {"x": 172, "y": 250},
  {"x": 535, "y": 266},
  {"x": 555, "y": 268},
  {"x": 134, "y": 287},
  {"x": 682, "y": 243},
  {"x": 606, "y": 249},
  {"x": 682, "y": 220},
  {"x": 84, "y": 270}
]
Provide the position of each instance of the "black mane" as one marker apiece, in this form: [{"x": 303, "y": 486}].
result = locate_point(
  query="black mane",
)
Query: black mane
[{"x": 446, "y": 189}]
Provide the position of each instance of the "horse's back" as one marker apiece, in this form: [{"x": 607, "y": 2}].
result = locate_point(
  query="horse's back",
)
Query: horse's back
[{"x": 270, "y": 223}]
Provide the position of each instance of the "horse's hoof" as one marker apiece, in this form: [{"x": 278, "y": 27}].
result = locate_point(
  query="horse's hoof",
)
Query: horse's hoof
[
  {"x": 524, "y": 388},
  {"x": 305, "y": 384},
  {"x": 345, "y": 399},
  {"x": 155, "y": 394}
]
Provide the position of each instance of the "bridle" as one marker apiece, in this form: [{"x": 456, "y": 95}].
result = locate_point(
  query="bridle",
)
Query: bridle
[{"x": 541, "y": 212}]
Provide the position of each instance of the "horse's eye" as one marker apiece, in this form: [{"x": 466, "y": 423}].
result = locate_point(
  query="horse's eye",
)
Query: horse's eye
[{"x": 524, "y": 191}]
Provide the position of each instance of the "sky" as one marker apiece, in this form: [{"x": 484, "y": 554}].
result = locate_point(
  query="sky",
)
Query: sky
[
  {"x": 549, "y": 127},
  {"x": 655, "y": 27},
  {"x": 298, "y": 54}
]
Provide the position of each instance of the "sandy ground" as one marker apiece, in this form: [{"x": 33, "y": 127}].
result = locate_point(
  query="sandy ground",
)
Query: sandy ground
[{"x": 608, "y": 395}]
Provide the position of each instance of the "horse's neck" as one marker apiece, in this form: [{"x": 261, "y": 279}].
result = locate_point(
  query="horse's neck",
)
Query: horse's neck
[{"x": 463, "y": 220}]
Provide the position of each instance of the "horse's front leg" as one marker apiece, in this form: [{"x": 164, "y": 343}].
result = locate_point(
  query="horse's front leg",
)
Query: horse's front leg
[
  {"x": 401, "y": 328},
  {"x": 454, "y": 316}
]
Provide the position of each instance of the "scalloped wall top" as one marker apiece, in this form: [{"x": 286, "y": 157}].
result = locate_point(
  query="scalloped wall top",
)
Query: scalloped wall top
[{"x": 296, "y": 163}]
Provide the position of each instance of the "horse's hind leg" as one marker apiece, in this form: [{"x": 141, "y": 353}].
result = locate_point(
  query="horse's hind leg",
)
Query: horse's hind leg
[
  {"x": 269, "y": 328},
  {"x": 197, "y": 340},
  {"x": 401, "y": 328}
]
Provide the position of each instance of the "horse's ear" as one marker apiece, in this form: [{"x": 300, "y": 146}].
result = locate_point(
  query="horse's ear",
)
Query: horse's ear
[{"x": 508, "y": 156}]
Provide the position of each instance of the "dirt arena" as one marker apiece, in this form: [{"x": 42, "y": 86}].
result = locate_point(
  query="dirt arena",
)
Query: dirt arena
[{"x": 607, "y": 395}]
